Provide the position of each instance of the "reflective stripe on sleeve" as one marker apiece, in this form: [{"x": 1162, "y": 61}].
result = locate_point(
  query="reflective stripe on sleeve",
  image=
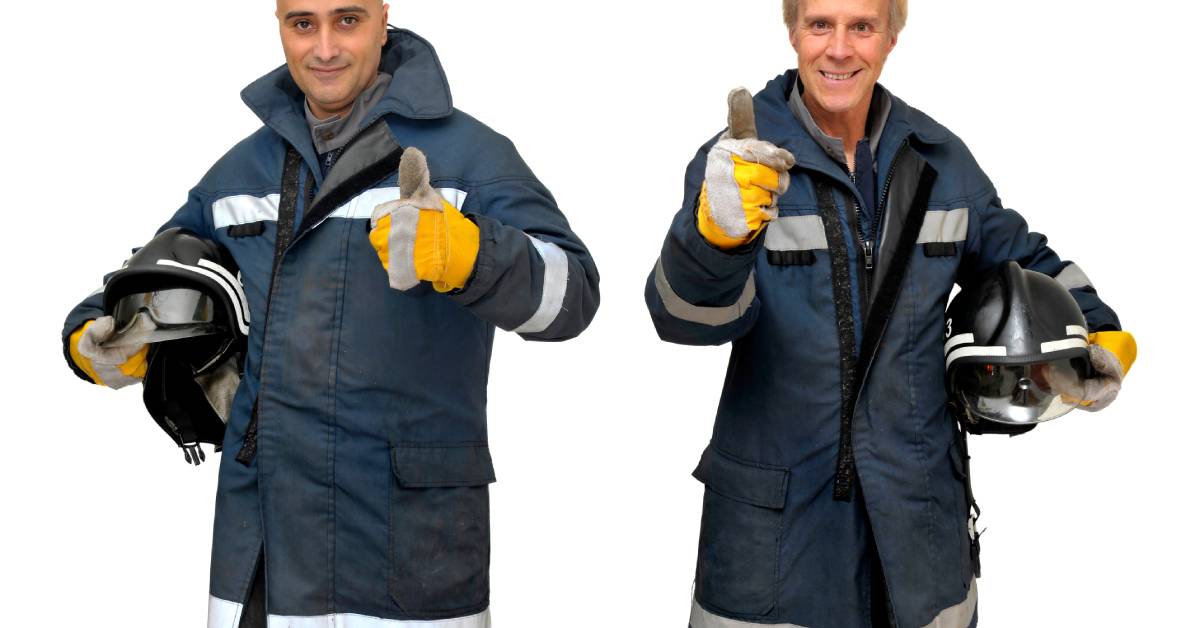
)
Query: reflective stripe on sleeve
[
  {"x": 959, "y": 615},
  {"x": 711, "y": 316},
  {"x": 944, "y": 226},
  {"x": 796, "y": 233},
  {"x": 1073, "y": 278},
  {"x": 554, "y": 287},
  {"x": 224, "y": 614},
  {"x": 244, "y": 209},
  {"x": 704, "y": 619}
]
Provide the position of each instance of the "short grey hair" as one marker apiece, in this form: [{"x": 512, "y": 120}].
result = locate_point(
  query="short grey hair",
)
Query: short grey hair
[{"x": 897, "y": 15}]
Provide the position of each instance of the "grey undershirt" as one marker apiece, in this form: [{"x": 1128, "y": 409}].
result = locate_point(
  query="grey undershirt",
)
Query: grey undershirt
[
  {"x": 336, "y": 131},
  {"x": 881, "y": 107}
]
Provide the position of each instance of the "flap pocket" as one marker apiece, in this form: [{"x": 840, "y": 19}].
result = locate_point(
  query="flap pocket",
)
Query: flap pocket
[
  {"x": 437, "y": 466},
  {"x": 791, "y": 240},
  {"x": 754, "y": 484}
]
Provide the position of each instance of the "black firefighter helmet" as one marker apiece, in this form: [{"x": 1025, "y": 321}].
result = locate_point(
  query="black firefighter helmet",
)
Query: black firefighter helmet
[
  {"x": 181, "y": 295},
  {"x": 1016, "y": 351}
]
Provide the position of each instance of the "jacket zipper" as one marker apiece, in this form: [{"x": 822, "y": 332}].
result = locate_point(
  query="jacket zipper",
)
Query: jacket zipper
[{"x": 866, "y": 245}]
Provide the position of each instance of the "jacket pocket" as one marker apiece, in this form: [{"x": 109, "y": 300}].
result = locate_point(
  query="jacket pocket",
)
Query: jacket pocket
[
  {"x": 439, "y": 542},
  {"x": 793, "y": 240},
  {"x": 738, "y": 567}
]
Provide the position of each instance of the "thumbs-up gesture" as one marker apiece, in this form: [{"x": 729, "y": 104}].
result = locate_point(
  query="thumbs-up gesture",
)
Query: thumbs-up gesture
[
  {"x": 742, "y": 180},
  {"x": 420, "y": 237}
]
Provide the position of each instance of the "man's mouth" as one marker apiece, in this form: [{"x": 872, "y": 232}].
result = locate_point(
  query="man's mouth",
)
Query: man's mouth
[
  {"x": 328, "y": 71},
  {"x": 835, "y": 76}
]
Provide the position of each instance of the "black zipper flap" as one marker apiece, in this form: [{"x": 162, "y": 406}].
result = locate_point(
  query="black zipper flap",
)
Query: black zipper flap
[
  {"x": 906, "y": 204},
  {"x": 372, "y": 155},
  {"x": 839, "y": 259}
]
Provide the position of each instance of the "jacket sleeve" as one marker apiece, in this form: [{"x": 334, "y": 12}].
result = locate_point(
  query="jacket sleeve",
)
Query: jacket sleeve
[
  {"x": 532, "y": 275},
  {"x": 191, "y": 217},
  {"x": 996, "y": 235},
  {"x": 698, "y": 294}
]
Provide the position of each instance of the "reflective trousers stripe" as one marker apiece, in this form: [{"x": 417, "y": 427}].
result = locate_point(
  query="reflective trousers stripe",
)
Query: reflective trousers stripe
[
  {"x": 711, "y": 316},
  {"x": 225, "y": 614},
  {"x": 555, "y": 275},
  {"x": 957, "y": 616}
]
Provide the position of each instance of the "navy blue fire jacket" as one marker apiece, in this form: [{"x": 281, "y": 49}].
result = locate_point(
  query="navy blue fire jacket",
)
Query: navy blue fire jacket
[
  {"x": 367, "y": 498},
  {"x": 833, "y": 452}
]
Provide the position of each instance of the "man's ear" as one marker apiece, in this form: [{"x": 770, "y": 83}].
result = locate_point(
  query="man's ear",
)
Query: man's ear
[{"x": 383, "y": 38}]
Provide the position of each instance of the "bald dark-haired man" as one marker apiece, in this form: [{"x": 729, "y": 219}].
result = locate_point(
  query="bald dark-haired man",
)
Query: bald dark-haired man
[{"x": 354, "y": 491}]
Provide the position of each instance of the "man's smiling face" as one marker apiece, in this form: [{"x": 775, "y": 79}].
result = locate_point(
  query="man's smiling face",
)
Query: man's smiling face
[
  {"x": 842, "y": 46},
  {"x": 332, "y": 48}
]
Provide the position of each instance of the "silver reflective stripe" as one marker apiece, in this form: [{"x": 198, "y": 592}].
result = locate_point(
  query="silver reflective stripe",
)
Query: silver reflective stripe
[
  {"x": 944, "y": 226},
  {"x": 244, "y": 209},
  {"x": 796, "y": 233},
  {"x": 364, "y": 204},
  {"x": 969, "y": 352},
  {"x": 959, "y": 615},
  {"x": 711, "y": 316},
  {"x": 704, "y": 619},
  {"x": 347, "y": 620},
  {"x": 1077, "y": 330},
  {"x": 1073, "y": 278},
  {"x": 223, "y": 613},
  {"x": 554, "y": 287}
]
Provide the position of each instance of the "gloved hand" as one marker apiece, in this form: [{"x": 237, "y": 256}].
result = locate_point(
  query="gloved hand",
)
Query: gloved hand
[
  {"x": 112, "y": 366},
  {"x": 742, "y": 180},
  {"x": 1113, "y": 353},
  {"x": 421, "y": 237}
]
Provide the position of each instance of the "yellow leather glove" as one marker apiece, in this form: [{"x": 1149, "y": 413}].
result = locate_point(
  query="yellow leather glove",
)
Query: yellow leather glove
[
  {"x": 421, "y": 237},
  {"x": 1113, "y": 354},
  {"x": 114, "y": 367},
  {"x": 743, "y": 178}
]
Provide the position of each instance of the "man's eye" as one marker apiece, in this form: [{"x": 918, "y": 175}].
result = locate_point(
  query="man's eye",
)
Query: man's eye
[
  {"x": 820, "y": 25},
  {"x": 861, "y": 27},
  {"x": 349, "y": 20},
  {"x": 303, "y": 25}
]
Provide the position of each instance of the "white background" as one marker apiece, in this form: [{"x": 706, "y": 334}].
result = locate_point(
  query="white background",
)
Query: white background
[{"x": 1081, "y": 112}]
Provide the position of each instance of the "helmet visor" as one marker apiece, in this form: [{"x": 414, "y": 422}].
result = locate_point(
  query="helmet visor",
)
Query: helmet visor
[
  {"x": 163, "y": 315},
  {"x": 1019, "y": 394}
]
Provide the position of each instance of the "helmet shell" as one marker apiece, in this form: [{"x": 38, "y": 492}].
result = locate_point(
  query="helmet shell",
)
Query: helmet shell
[{"x": 1012, "y": 317}]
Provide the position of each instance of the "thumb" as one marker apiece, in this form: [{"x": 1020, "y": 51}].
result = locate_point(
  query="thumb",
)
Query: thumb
[
  {"x": 414, "y": 173},
  {"x": 741, "y": 115}
]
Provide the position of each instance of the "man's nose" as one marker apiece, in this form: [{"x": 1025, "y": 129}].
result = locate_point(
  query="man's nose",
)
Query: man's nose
[
  {"x": 839, "y": 44},
  {"x": 327, "y": 46}
]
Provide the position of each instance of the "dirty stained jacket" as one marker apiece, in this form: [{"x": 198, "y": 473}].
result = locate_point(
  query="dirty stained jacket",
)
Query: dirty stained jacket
[
  {"x": 833, "y": 448},
  {"x": 365, "y": 495}
]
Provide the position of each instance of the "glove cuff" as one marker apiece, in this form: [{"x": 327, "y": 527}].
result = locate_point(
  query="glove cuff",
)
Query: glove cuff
[{"x": 1119, "y": 343}]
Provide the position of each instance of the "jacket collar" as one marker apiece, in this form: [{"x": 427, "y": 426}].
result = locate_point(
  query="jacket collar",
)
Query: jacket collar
[
  {"x": 418, "y": 91},
  {"x": 778, "y": 124}
]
